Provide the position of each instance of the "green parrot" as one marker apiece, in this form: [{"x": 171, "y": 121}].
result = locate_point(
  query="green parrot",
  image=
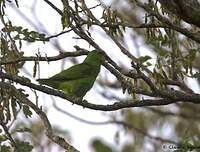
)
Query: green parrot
[{"x": 78, "y": 79}]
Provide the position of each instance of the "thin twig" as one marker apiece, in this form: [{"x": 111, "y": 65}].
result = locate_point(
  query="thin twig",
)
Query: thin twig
[
  {"x": 49, "y": 131},
  {"x": 118, "y": 122},
  {"x": 9, "y": 136}
]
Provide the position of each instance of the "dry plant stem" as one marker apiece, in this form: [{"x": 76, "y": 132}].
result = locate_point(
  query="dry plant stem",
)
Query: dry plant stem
[
  {"x": 9, "y": 136},
  {"x": 14, "y": 47},
  {"x": 49, "y": 131}
]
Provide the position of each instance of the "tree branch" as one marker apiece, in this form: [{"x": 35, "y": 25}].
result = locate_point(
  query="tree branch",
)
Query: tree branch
[
  {"x": 39, "y": 58},
  {"x": 165, "y": 21},
  {"x": 169, "y": 97},
  {"x": 116, "y": 122},
  {"x": 49, "y": 131}
]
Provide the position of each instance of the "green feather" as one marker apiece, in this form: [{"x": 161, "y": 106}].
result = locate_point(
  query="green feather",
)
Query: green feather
[{"x": 78, "y": 79}]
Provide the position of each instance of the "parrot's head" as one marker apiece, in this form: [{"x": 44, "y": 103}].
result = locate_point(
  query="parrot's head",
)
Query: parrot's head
[{"x": 93, "y": 58}]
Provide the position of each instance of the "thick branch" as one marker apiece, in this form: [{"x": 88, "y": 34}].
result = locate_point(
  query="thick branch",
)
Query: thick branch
[
  {"x": 188, "y": 10},
  {"x": 170, "y": 97}
]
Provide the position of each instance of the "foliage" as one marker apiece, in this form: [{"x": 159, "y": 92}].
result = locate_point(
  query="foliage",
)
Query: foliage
[{"x": 161, "y": 70}]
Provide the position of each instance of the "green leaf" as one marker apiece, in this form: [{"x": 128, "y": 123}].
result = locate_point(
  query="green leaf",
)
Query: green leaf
[
  {"x": 2, "y": 138},
  {"x": 27, "y": 111},
  {"x": 161, "y": 51},
  {"x": 149, "y": 64},
  {"x": 196, "y": 75},
  {"x": 192, "y": 54},
  {"x": 99, "y": 146},
  {"x": 25, "y": 34},
  {"x": 34, "y": 34},
  {"x": 143, "y": 59},
  {"x": 65, "y": 19},
  {"x": 5, "y": 148},
  {"x": 23, "y": 146}
]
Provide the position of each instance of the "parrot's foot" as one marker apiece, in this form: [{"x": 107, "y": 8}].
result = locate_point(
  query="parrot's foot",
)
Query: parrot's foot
[{"x": 75, "y": 99}]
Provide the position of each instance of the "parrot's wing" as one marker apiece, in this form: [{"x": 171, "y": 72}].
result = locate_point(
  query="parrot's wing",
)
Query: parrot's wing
[{"x": 73, "y": 73}]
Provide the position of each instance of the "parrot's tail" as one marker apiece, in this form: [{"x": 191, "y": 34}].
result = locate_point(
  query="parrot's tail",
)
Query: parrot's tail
[
  {"x": 48, "y": 82},
  {"x": 42, "y": 81}
]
